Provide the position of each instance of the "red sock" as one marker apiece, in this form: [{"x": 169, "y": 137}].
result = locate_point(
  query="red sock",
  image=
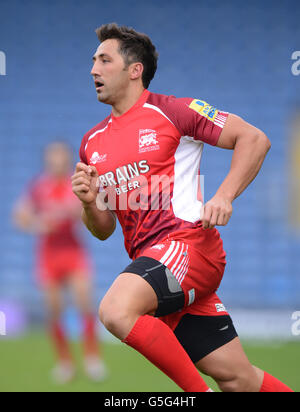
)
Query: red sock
[
  {"x": 271, "y": 384},
  {"x": 60, "y": 342},
  {"x": 91, "y": 347},
  {"x": 157, "y": 342}
]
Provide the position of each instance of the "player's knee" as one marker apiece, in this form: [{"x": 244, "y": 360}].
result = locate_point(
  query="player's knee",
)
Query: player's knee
[
  {"x": 241, "y": 382},
  {"x": 107, "y": 315},
  {"x": 232, "y": 385},
  {"x": 114, "y": 318}
]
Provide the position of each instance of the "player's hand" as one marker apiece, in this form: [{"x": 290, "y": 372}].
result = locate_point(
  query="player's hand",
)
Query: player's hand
[
  {"x": 85, "y": 183},
  {"x": 217, "y": 212},
  {"x": 45, "y": 223}
]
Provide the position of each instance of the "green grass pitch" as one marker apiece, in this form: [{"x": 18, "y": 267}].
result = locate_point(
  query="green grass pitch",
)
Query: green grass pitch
[{"x": 25, "y": 366}]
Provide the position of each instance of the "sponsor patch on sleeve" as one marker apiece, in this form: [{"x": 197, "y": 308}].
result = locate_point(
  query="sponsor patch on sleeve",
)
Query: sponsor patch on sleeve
[{"x": 205, "y": 109}]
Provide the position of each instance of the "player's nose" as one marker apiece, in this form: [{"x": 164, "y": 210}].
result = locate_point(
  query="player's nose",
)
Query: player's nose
[{"x": 95, "y": 70}]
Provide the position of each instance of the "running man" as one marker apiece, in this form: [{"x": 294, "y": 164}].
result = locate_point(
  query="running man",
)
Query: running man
[
  {"x": 50, "y": 211},
  {"x": 164, "y": 304}
]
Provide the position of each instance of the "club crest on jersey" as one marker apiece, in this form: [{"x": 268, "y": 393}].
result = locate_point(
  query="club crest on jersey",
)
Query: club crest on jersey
[
  {"x": 148, "y": 140},
  {"x": 205, "y": 109},
  {"x": 97, "y": 158}
]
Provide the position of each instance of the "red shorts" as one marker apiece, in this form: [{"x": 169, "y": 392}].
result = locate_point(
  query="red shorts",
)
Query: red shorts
[
  {"x": 58, "y": 265},
  {"x": 199, "y": 275}
]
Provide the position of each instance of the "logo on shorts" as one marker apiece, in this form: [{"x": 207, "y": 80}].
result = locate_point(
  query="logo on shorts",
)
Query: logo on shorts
[
  {"x": 159, "y": 247},
  {"x": 220, "y": 307},
  {"x": 148, "y": 140},
  {"x": 97, "y": 158}
]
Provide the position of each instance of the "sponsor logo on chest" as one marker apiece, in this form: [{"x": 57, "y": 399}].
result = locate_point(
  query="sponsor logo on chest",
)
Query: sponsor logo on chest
[
  {"x": 148, "y": 140},
  {"x": 97, "y": 158}
]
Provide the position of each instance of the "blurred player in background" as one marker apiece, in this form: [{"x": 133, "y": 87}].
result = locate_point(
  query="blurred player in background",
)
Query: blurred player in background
[
  {"x": 164, "y": 304},
  {"x": 50, "y": 211}
]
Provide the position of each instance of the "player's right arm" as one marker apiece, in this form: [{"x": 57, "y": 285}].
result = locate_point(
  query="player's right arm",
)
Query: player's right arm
[{"x": 101, "y": 223}]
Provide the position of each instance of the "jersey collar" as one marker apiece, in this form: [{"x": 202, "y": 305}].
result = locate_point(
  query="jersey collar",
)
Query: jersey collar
[{"x": 118, "y": 122}]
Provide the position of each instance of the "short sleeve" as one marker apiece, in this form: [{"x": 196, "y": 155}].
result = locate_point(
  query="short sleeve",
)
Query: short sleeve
[
  {"x": 82, "y": 153},
  {"x": 192, "y": 117},
  {"x": 200, "y": 120}
]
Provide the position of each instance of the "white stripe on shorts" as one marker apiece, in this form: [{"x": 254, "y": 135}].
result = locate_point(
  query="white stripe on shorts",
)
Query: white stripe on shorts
[
  {"x": 176, "y": 253},
  {"x": 180, "y": 266},
  {"x": 179, "y": 256},
  {"x": 168, "y": 252},
  {"x": 184, "y": 270},
  {"x": 173, "y": 254}
]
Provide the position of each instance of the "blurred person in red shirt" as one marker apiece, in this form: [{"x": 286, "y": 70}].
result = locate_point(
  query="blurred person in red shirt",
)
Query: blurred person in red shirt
[{"x": 51, "y": 211}]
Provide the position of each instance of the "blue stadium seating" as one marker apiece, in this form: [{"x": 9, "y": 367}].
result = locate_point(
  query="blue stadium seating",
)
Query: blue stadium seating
[{"x": 236, "y": 56}]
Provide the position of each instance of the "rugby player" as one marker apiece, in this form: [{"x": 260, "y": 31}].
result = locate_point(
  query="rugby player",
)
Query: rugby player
[
  {"x": 164, "y": 304},
  {"x": 50, "y": 210}
]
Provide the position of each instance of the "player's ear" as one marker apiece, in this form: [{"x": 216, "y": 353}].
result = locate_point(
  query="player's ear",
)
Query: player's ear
[{"x": 136, "y": 70}]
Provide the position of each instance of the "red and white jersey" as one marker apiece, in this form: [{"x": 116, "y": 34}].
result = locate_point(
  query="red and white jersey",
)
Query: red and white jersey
[
  {"x": 148, "y": 161},
  {"x": 54, "y": 201}
]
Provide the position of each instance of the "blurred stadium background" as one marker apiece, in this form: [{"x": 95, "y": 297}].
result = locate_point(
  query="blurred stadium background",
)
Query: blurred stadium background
[{"x": 235, "y": 56}]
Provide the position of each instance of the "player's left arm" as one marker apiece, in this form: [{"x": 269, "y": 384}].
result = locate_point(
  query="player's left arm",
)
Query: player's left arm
[{"x": 250, "y": 147}]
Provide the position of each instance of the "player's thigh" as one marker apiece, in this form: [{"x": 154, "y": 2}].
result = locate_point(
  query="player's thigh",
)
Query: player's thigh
[
  {"x": 81, "y": 287},
  {"x": 231, "y": 369},
  {"x": 161, "y": 285},
  {"x": 187, "y": 271},
  {"x": 225, "y": 362},
  {"x": 129, "y": 293},
  {"x": 200, "y": 334},
  {"x": 213, "y": 345}
]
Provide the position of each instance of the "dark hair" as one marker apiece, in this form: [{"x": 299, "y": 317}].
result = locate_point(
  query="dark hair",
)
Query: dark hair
[{"x": 134, "y": 47}]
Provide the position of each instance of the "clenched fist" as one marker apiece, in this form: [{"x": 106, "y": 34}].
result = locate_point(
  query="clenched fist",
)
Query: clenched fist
[
  {"x": 85, "y": 183},
  {"x": 216, "y": 212}
]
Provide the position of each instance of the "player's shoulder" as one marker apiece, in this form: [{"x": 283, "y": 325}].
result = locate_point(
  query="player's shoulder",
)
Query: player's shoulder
[
  {"x": 167, "y": 101},
  {"x": 181, "y": 105},
  {"x": 99, "y": 127},
  {"x": 175, "y": 109}
]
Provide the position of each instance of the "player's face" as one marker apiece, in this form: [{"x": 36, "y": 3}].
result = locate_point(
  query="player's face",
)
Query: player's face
[
  {"x": 109, "y": 71},
  {"x": 58, "y": 160}
]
